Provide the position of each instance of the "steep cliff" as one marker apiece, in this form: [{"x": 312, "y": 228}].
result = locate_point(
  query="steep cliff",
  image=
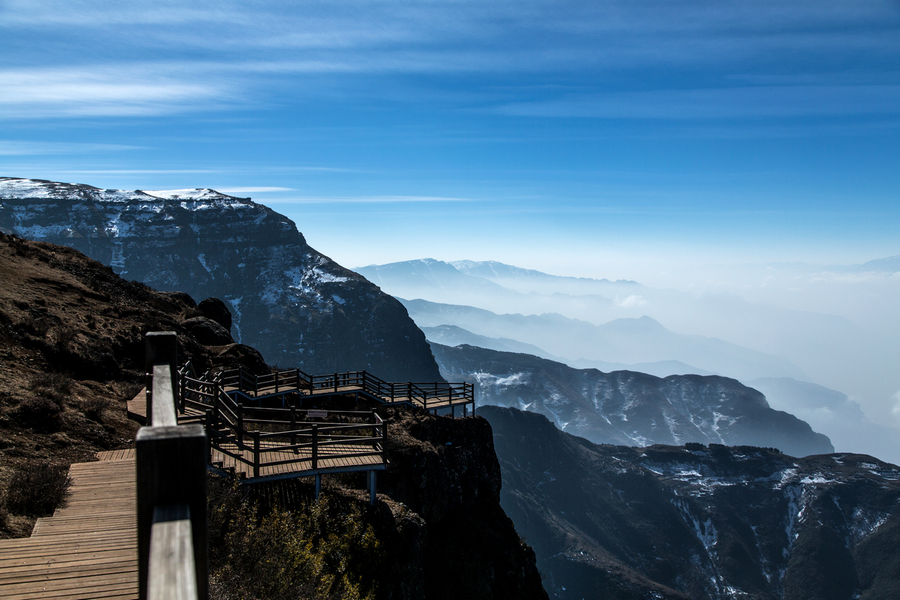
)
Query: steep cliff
[
  {"x": 446, "y": 470},
  {"x": 698, "y": 522},
  {"x": 293, "y": 304}
]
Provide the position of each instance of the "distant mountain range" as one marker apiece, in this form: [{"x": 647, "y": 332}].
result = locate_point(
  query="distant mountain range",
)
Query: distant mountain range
[
  {"x": 828, "y": 410},
  {"x": 302, "y": 309},
  {"x": 764, "y": 322},
  {"x": 697, "y": 522},
  {"x": 629, "y": 408},
  {"x": 624, "y": 342},
  {"x": 295, "y": 305}
]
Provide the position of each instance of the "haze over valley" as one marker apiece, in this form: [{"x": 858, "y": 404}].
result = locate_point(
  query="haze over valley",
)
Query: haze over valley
[{"x": 833, "y": 362}]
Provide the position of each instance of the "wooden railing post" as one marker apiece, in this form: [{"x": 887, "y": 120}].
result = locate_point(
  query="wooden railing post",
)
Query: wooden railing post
[
  {"x": 256, "y": 454},
  {"x": 335, "y": 383},
  {"x": 216, "y": 400},
  {"x": 294, "y": 428},
  {"x": 209, "y": 436},
  {"x": 179, "y": 397},
  {"x": 384, "y": 442},
  {"x": 240, "y": 424},
  {"x": 315, "y": 447}
]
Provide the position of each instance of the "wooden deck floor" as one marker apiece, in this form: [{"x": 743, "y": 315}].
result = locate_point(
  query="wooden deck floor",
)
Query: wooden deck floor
[
  {"x": 136, "y": 408},
  {"x": 331, "y": 459},
  {"x": 345, "y": 458},
  {"x": 436, "y": 402},
  {"x": 88, "y": 548}
]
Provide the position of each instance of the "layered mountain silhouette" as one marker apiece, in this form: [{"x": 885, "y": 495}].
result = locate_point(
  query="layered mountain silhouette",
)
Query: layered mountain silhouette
[
  {"x": 621, "y": 342},
  {"x": 833, "y": 326},
  {"x": 630, "y": 408}
]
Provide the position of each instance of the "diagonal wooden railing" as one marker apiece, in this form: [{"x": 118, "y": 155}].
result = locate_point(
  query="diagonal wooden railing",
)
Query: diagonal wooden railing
[{"x": 430, "y": 396}]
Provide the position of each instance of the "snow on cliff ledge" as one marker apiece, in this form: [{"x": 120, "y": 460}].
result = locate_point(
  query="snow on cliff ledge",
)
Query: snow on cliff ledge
[{"x": 11, "y": 188}]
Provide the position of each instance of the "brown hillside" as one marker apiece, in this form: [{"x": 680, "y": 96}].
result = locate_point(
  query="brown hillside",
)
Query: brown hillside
[{"x": 71, "y": 355}]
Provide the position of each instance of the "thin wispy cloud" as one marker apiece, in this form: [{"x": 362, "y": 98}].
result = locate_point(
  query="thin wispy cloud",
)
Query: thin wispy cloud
[
  {"x": 101, "y": 92},
  {"x": 371, "y": 199},
  {"x": 30, "y": 148},
  {"x": 139, "y": 171},
  {"x": 769, "y": 101},
  {"x": 212, "y": 54},
  {"x": 253, "y": 190}
]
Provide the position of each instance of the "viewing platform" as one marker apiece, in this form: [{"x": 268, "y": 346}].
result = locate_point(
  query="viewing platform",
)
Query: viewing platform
[{"x": 263, "y": 428}]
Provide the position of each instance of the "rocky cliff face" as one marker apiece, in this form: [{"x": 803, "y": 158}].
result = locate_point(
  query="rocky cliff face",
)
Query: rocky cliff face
[
  {"x": 296, "y": 306},
  {"x": 630, "y": 408},
  {"x": 446, "y": 470},
  {"x": 698, "y": 522}
]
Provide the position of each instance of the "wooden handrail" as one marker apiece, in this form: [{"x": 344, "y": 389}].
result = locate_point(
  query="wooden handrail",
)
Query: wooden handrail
[
  {"x": 171, "y": 487},
  {"x": 299, "y": 382}
]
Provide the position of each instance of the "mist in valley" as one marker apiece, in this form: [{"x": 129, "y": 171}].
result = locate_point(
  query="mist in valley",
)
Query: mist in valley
[{"x": 818, "y": 340}]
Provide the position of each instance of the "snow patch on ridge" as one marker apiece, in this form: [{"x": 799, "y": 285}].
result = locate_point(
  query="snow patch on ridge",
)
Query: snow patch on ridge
[
  {"x": 235, "y": 316},
  {"x": 202, "y": 259}
]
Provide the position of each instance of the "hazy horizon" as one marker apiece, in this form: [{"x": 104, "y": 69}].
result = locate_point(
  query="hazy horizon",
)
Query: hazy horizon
[{"x": 835, "y": 329}]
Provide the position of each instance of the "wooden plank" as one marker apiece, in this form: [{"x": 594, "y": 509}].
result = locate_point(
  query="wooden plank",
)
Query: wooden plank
[
  {"x": 44, "y": 556},
  {"x": 171, "y": 571},
  {"x": 116, "y": 455}
]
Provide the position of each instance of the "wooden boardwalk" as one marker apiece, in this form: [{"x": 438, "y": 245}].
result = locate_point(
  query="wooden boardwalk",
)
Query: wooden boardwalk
[{"x": 88, "y": 548}]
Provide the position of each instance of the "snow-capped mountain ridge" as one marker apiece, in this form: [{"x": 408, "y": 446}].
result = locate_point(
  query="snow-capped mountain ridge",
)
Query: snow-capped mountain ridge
[
  {"x": 625, "y": 407},
  {"x": 12, "y": 187},
  {"x": 295, "y": 305}
]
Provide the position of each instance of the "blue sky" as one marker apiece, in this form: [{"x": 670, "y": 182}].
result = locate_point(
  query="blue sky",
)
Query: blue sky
[{"x": 603, "y": 138}]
